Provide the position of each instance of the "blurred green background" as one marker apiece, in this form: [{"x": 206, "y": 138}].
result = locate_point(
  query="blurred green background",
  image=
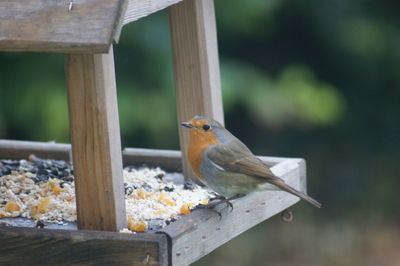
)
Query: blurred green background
[{"x": 312, "y": 79}]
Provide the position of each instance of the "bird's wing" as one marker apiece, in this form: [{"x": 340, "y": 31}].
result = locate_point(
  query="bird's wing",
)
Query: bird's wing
[{"x": 237, "y": 159}]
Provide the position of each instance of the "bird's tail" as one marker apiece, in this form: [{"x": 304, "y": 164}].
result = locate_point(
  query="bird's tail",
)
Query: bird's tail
[{"x": 282, "y": 185}]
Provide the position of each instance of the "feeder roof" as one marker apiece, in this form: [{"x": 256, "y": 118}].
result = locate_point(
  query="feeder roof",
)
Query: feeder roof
[{"x": 69, "y": 25}]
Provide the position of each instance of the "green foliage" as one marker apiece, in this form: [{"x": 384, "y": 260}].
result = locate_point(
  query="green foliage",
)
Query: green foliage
[
  {"x": 251, "y": 17},
  {"x": 295, "y": 96}
]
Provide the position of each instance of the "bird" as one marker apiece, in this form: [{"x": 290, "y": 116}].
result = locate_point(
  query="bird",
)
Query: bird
[{"x": 227, "y": 166}]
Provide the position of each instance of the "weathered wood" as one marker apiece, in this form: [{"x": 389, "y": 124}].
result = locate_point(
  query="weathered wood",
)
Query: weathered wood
[
  {"x": 96, "y": 143},
  {"x": 29, "y": 246},
  {"x": 10, "y": 149},
  {"x": 51, "y": 26},
  {"x": 18, "y": 149},
  {"x": 196, "y": 66},
  {"x": 199, "y": 233},
  {"x": 141, "y": 8},
  {"x": 30, "y": 223},
  {"x": 166, "y": 159},
  {"x": 48, "y": 25}
]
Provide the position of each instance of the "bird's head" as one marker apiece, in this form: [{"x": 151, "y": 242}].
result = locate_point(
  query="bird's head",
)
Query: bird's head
[
  {"x": 208, "y": 130},
  {"x": 203, "y": 126}
]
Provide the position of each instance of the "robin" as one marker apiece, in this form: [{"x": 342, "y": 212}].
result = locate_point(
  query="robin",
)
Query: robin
[{"x": 224, "y": 164}]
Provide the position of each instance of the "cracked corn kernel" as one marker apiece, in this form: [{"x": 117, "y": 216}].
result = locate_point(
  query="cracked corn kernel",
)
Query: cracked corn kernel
[
  {"x": 56, "y": 190},
  {"x": 142, "y": 194},
  {"x": 165, "y": 199},
  {"x": 12, "y": 207},
  {"x": 69, "y": 199},
  {"x": 185, "y": 208},
  {"x": 138, "y": 226},
  {"x": 43, "y": 204},
  {"x": 204, "y": 202},
  {"x": 40, "y": 208}
]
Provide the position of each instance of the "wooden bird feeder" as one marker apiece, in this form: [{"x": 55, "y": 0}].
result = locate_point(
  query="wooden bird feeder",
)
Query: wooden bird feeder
[{"x": 85, "y": 30}]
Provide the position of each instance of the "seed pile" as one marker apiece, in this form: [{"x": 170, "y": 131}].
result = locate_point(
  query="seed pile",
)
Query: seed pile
[{"x": 44, "y": 190}]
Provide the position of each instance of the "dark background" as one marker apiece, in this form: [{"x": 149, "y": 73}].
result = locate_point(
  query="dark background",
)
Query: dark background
[{"x": 312, "y": 79}]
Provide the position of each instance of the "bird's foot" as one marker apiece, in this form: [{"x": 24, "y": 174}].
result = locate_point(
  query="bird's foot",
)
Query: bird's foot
[
  {"x": 228, "y": 200},
  {"x": 209, "y": 207},
  {"x": 219, "y": 200},
  {"x": 217, "y": 197}
]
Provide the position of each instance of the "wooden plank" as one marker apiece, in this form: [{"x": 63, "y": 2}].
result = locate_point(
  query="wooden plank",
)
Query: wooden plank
[
  {"x": 196, "y": 66},
  {"x": 22, "y": 246},
  {"x": 10, "y": 149},
  {"x": 90, "y": 25},
  {"x": 141, "y": 8},
  {"x": 96, "y": 143},
  {"x": 168, "y": 160},
  {"x": 202, "y": 231},
  {"x": 58, "y": 26}
]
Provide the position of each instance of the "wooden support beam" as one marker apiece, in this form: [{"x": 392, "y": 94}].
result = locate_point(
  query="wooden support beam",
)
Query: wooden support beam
[
  {"x": 195, "y": 56},
  {"x": 168, "y": 160},
  {"x": 141, "y": 8},
  {"x": 17, "y": 149},
  {"x": 96, "y": 144},
  {"x": 32, "y": 246}
]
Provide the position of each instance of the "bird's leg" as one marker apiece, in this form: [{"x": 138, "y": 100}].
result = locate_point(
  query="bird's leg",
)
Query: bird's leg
[
  {"x": 222, "y": 200},
  {"x": 228, "y": 200},
  {"x": 237, "y": 196},
  {"x": 213, "y": 203},
  {"x": 210, "y": 207},
  {"x": 217, "y": 197}
]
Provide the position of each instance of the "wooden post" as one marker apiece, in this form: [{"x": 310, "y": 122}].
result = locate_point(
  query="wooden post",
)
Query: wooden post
[
  {"x": 96, "y": 144},
  {"x": 195, "y": 56}
]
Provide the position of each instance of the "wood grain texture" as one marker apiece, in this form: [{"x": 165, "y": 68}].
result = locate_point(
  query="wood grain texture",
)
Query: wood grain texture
[
  {"x": 168, "y": 160},
  {"x": 141, "y": 8},
  {"x": 15, "y": 149},
  {"x": 96, "y": 143},
  {"x": 196, "y": 65},
  {"x": 29, "y": 246},
  {"x": 202, "y": 231},
  {"x": 48, "y": 25}
]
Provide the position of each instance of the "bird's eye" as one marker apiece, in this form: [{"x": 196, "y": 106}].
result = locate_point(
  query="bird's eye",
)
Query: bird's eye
[{"x": 206, "y": 127}]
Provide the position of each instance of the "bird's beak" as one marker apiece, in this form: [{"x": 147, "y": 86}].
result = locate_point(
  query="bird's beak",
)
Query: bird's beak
[{"x": 187, "y": 124}]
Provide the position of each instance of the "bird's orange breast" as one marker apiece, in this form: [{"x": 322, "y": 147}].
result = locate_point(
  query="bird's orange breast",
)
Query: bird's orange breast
[{"x": 199, "y": 141}]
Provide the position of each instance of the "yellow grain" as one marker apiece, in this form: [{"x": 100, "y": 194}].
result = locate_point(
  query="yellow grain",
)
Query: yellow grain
[
  {"x": 185, "y": 208},
  {"x": 12, "y": 206},
  {"x": 164, "y": 198}
]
